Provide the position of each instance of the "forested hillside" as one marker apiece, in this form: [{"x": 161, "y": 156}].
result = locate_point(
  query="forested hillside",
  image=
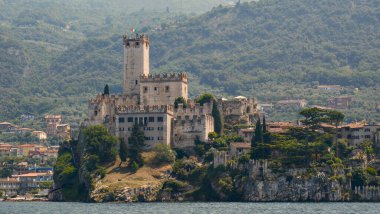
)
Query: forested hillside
[
  {"x": 271, "y": 49},
  {"x": 36, "y": 36}
]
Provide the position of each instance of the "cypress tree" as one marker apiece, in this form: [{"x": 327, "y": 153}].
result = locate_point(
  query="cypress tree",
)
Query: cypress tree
[
  {"x": 136, "y": 140},
  {"x": 256, "y": 141},
  {"x": 264, "y": 126},
  {"x": 258, "y": 132},
  {"x": 106, "y": 90},
  {"x": 123, "y": 151},
  {"x": 218, "y": 119}
]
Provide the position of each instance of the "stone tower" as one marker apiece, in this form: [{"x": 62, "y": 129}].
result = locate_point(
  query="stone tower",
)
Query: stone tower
[{"x": 136, "y": 62}]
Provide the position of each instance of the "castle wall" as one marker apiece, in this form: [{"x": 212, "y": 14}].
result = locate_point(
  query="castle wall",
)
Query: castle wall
[
  {"x": 136, "y": 62},
  {"x": 239, "y": 110},
  {"x": 191, "y": 123},
  {"x": 155, "y": 121},
  {"x": 162, "y": 89},
  {"x": 102, "y": 109}
]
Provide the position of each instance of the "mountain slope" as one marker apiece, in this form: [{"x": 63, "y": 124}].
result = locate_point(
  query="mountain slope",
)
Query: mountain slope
[{"x": 272, "y": 49}]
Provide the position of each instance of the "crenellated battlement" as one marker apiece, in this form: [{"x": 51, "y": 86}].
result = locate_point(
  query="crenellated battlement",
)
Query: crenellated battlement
[
  {"x": 145, "y": 109},
  {"x": 193, "y": 109},
  {"x": 135, "y": 38},
  {"x": 101, "y": 98},
  {"x": 164, "y": 77},
  {"x": 180, "y": 120}
]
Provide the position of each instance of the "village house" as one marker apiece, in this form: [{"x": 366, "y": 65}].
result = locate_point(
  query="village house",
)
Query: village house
[
  {"x": 281, "y": 127},
  {"x": 356, "y": 133},
  {"x": 9, "y": 186},
  {"x": 342, "y": 102},
  {"x": 33, "y": 179},
  {"x": 297, "y": 104},
  {"x": 7, "y": 128},
  {"x": 54, "y": 128},
  {"x": 330, "y": 87},
  {"x": 40, "y": 135}
]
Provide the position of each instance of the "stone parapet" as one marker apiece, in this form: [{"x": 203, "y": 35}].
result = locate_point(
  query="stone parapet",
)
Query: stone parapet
[
  {"x": 164, "y": 77},
  {"x": 145, "y": 109}
]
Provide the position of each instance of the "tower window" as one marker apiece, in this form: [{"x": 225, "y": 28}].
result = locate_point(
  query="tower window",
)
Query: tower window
[
  {"x": 167, "y": 89},
  {"x": 137, "y": 44},
  {"x": 155, "y": 88},
  {"x": 145, "y": 89},
  {"x": 136, "y": 82}
]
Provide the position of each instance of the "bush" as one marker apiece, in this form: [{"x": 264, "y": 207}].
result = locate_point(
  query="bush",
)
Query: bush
[
  {"x": 163, "y": 154},
  {"x": 359, "y": 178},
  {"x": 135, "y": 166},
  {"x": 175, "y": 185},
  {"x": 371, "y": 171}
]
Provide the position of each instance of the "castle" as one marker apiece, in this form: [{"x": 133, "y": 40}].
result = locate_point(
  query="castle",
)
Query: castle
[{"x": 148, "y": 100}]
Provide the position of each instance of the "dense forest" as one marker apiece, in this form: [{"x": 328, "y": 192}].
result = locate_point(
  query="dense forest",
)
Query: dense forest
[{"x": 54, "y": 54}]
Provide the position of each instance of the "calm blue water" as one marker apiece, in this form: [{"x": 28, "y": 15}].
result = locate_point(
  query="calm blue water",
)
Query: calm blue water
[{"x": 182, "y": 208}]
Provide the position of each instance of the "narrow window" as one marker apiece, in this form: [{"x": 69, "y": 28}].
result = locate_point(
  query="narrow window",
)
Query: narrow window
[
  {"x": 136, "y": 82},
  {"x": 167, "y": 89}
]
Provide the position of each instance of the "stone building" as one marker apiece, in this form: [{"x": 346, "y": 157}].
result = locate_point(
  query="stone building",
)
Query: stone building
[
  {"x": 239, "y": 110},
  {"x": 54, "y": 128},
  {"x": 356, "y": 133},
  {"x": 9, "y": 186},
  {"x": 148, "y": 99}
]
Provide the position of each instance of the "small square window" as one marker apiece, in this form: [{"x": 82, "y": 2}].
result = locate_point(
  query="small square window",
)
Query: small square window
[{"x": 145, "y": 89}]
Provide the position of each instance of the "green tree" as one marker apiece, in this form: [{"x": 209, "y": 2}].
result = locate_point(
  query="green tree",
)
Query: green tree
[
  {"x": 99, "y": 142},
  {"x": 218, "y": 119},
  {"x": 163, "y": 154},
  {"x": 256, "y": 140},
  {"x": 205, "y": 98},
  {"x": 5, "y": 172},
  {"x": 136, "y": 142},
  {"x": 122, "y": 151},
  {"x": 335, "y": 118},
  {"x": 313, "y": 117},
  {"x": 359, "y": 178},
  {"x": 106, "y": 90},
  {"x": 180, "y": 100}
]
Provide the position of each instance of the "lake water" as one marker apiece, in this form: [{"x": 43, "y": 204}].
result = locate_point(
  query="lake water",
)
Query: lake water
[{"x": 182, "y": 208}]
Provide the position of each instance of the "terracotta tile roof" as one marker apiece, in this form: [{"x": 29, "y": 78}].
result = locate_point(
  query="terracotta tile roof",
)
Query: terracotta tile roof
[
  {"x": 32, "y": 174},
  {"x": 27, "y": 145},
  {"x": 241, "y": 145},
  {"x": 248, "y": 130},
  {"x": 9, "y": 180}
]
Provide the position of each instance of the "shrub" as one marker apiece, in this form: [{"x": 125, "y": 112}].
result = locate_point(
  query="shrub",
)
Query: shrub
[
  {"x": 371, "y": 171},
  {"x": 135, "y": 166},
  {"x": 163, "y": 154}
]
